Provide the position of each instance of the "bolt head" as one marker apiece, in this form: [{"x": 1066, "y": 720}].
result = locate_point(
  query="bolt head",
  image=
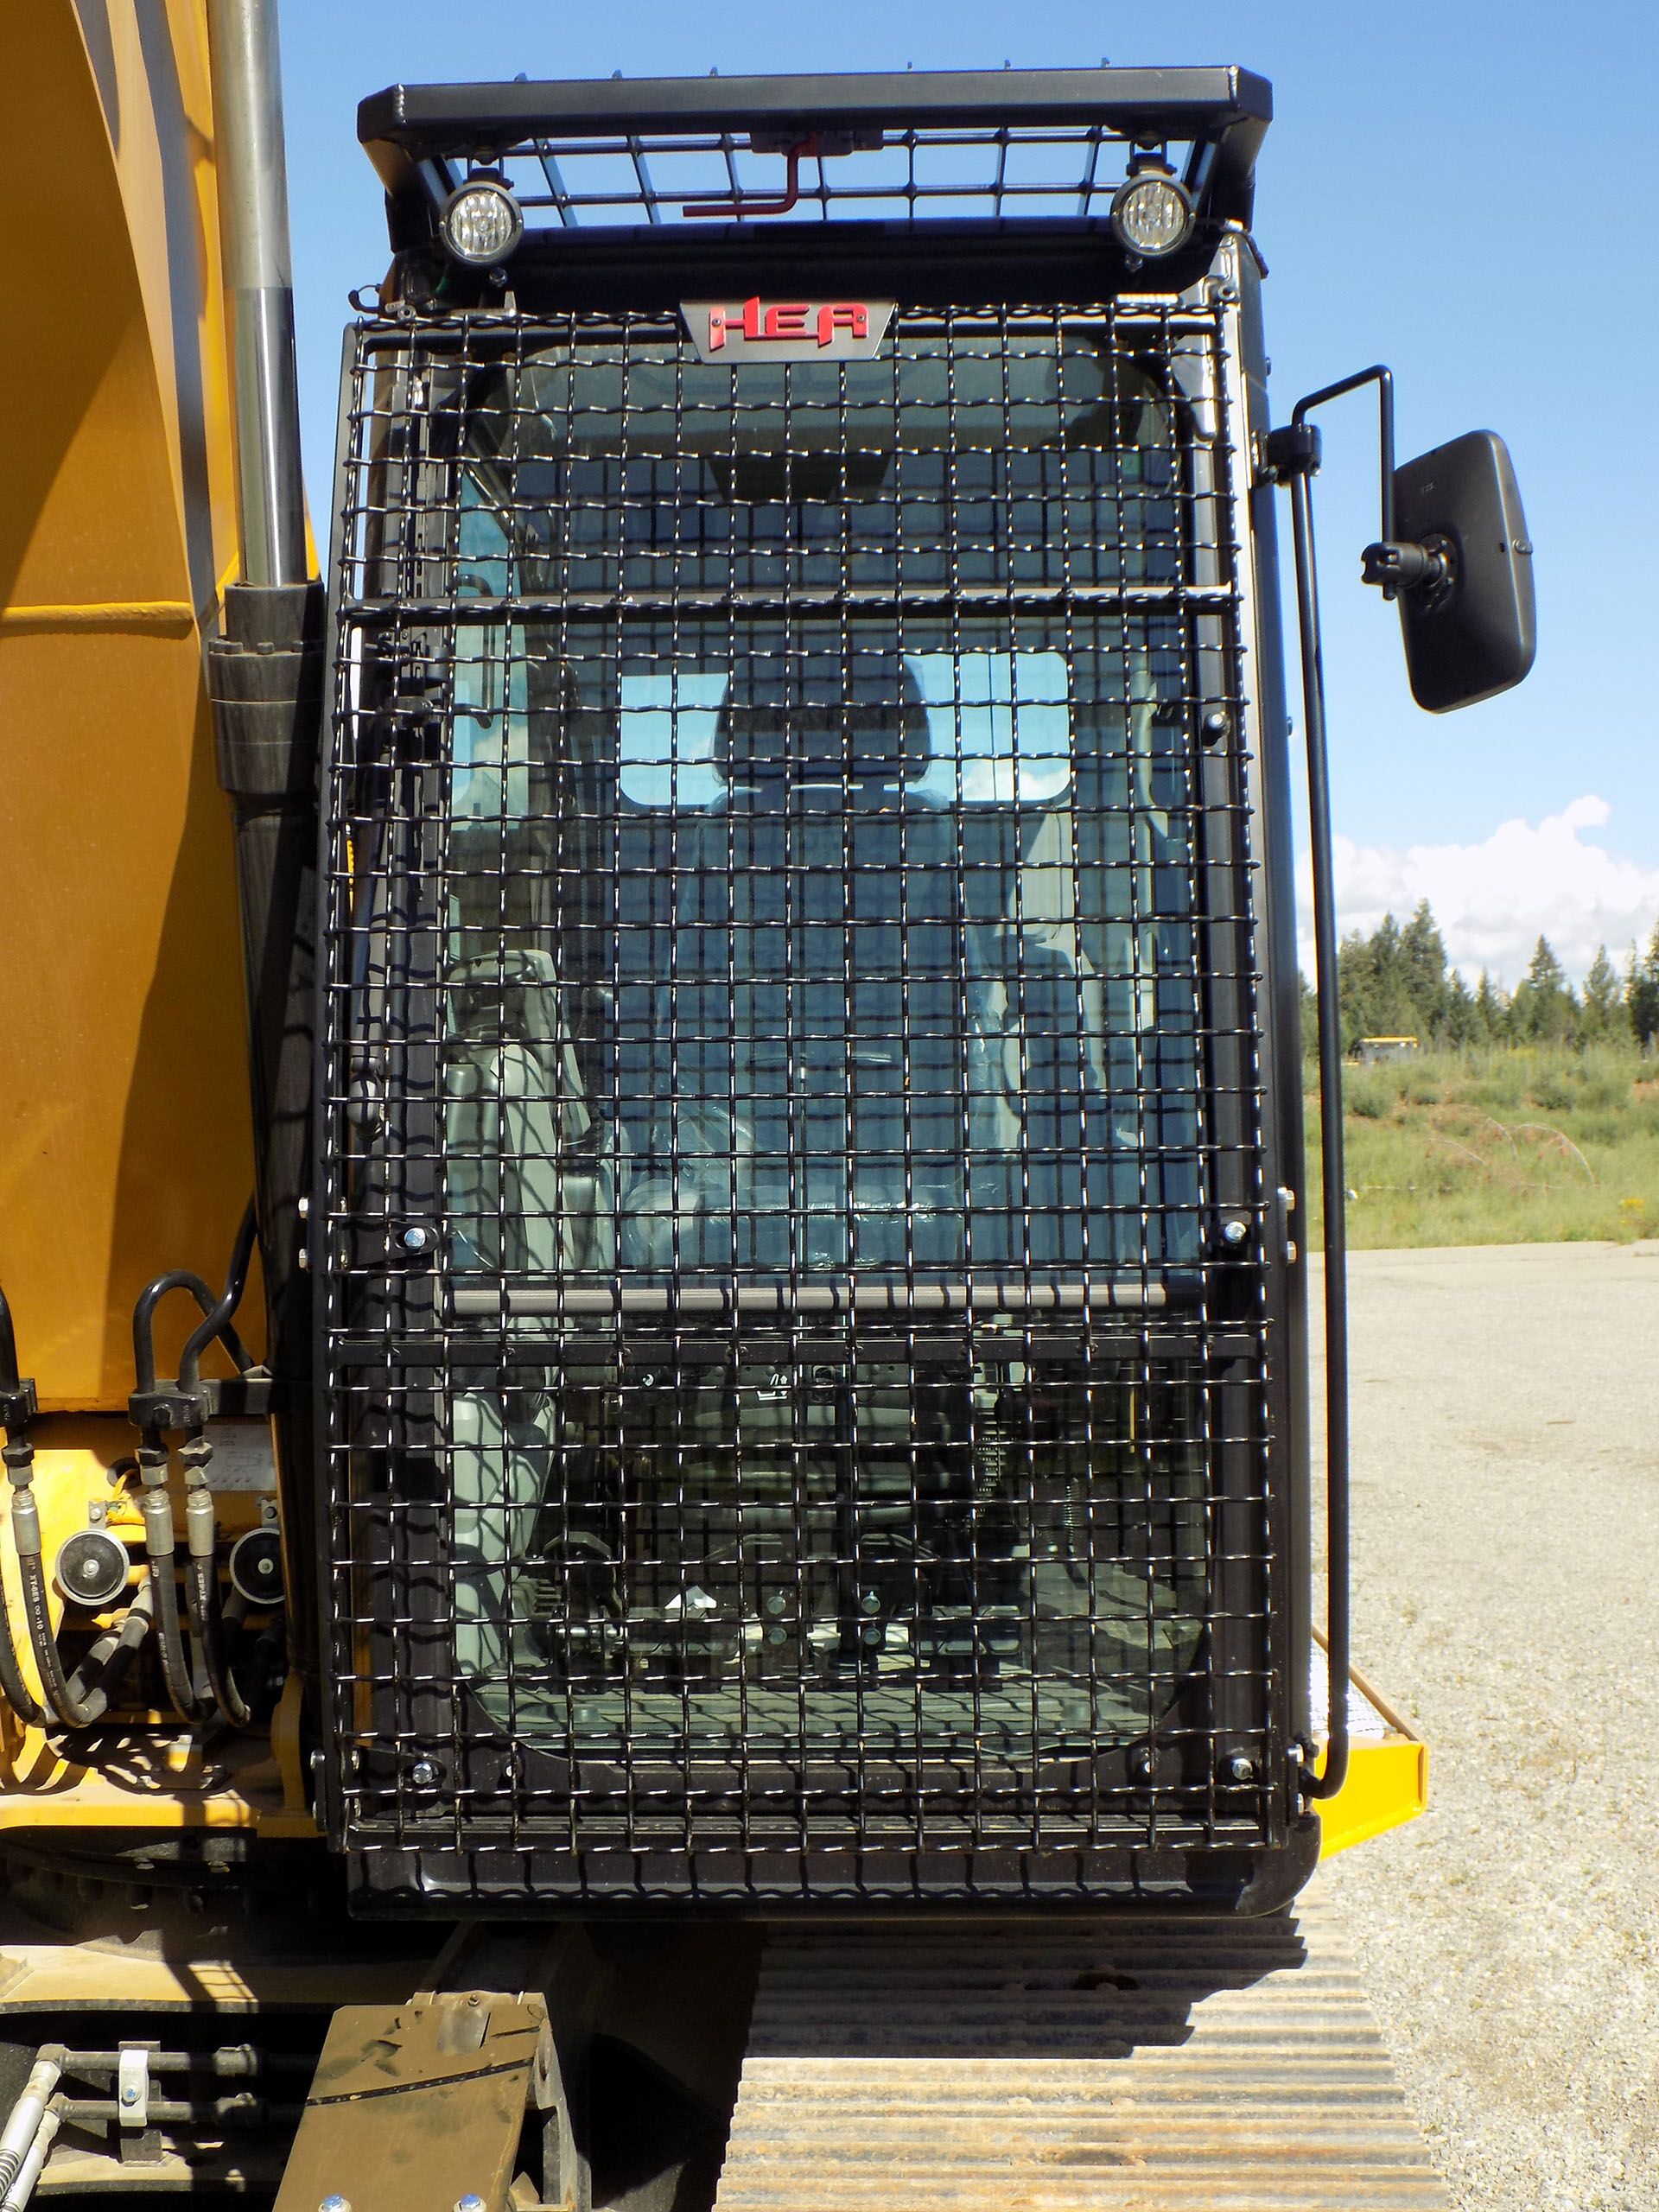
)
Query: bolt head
[
  {"x": 335, "y": 2204},
  {"x": 470, "y": 2202},
  {"x": 1240, "y": 1767},
  {"x": 1235, "y": 1232},
  {"x": 130, "y": 2095},
  {"x": 415, "y": 1239},
  {"x": 424, "y": 1774}
]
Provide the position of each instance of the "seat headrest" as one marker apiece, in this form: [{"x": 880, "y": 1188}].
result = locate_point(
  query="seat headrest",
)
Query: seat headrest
[{"x": 812, "y": 719}]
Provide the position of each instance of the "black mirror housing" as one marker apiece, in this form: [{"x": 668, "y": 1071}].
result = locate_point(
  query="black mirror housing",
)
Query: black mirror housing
[{"x": 1472, "y": 631}]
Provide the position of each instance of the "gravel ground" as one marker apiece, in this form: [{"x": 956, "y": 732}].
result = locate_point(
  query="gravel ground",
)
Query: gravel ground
[{"x": 1506, "y": 1504}]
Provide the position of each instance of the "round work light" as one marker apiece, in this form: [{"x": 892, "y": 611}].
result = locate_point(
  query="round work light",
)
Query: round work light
[
  {"x": 1150, "y": 214},
  {"x": 482, "y": 223}
]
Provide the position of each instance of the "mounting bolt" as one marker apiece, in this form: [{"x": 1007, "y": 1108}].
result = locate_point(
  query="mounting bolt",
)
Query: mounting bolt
[
  {"x": 415, "y": 1239},
  {"x": 1240, "y": 1767},
  {"x": 424, "y": 1774},
  {"x": 335, "y": 2204},
  {"x": 1216, "y": 724},
  {"x": 470, "y": 2202},
  {"x": 1143, "y": 1763},
  {"x": 129, "y": 2094},
  {"x": 1235, "y": 1232}
]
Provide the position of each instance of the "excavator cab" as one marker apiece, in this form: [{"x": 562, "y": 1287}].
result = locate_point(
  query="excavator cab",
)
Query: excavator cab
[{"x": 806, "y": 1302}]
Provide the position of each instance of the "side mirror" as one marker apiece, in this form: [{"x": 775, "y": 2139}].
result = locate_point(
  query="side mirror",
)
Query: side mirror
[{"x": 1460, "y": 563}]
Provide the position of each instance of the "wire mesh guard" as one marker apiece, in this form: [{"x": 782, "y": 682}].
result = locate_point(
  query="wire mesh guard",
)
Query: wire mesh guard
[
  {"x": 789, "y": 1032},
  {"x": 956, "y": 170}
]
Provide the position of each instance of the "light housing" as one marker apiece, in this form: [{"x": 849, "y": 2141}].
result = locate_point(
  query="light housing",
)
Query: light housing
[
  {"x": 1152, "y": 214},
  {"x": 481, "y": 222}
]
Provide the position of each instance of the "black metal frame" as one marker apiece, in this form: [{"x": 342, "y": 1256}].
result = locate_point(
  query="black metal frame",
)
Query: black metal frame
[
  {"x": 420, "y": 136},
  {"x": 434, "y": 1854}
]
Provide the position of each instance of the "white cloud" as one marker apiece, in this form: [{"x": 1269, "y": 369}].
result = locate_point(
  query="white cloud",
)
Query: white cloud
[{"x": 1494, "y": 901}]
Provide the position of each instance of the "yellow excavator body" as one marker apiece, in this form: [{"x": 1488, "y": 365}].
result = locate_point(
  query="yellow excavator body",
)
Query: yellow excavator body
[{"x": 125, "y": 1145}]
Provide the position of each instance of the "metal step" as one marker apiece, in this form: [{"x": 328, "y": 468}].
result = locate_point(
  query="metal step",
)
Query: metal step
[{"x": 1149, "y": 2065}]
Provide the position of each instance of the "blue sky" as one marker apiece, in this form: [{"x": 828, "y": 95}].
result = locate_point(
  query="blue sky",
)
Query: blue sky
[{"x": 1458, "y": 191}]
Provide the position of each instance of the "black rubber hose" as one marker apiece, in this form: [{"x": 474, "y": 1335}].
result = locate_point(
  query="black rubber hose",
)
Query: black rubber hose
[
  {"x": 9, "y": 1378},
  {"x": 216, "y": 1321},
  {"x": 82, "y": 1700},
  {"x": 143, "y": 1315},
  {"x": 101, "y": 1676},
  {"x": 170, "y": 1637},
  {"x": 202, "y": 1596},
  {"x": 18, "y": 1695},
  {"x": 73, "y": 1711}
]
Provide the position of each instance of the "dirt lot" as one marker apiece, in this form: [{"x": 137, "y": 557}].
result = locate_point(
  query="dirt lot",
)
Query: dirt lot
[{"x": 1506, "y": 1419}]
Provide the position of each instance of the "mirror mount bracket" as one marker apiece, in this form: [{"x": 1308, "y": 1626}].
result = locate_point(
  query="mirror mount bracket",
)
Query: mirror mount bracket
[{"x": 1430, "y": 568}]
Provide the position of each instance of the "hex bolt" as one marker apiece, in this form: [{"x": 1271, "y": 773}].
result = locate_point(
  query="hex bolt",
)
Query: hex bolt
[
  {"x": 129, "y": 2094},
  {"x": 470, "y": 2202},
  {"x": 415, "y": 1239},
  {"x": 1218, "y": 724},
  {"x": 424, "y": 1774},
  {"x": 1240, "y": 1767},
  {"x": 335, "y": 2204},
  {"x": 870, "y": 1602},
  {"x": 1235, "y": 1232}
]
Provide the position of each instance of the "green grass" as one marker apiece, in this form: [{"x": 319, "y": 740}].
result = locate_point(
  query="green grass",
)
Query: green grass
[{"x": 1531, "y": 1146}]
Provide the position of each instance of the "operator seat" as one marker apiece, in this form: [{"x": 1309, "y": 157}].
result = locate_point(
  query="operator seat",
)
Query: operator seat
[{"x": 811, "y": 1014}]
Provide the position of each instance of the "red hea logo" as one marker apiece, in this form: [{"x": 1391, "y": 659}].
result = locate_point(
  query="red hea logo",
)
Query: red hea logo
[{"x": 790, "y": 319}]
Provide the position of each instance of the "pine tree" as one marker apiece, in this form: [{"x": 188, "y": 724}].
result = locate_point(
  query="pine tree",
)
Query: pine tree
[
  {"x": 1422, "y": 972},
  {"x": 1605, "y": 1017},
  {"x": 1492, "y": 1010},
  {"x": 1544, "y": 1010},
  {"x": 1641, "y": 992},
  {"x": 1463, "y": 1022}
]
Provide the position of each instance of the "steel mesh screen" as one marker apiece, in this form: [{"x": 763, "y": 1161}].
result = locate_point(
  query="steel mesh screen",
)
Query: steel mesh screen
[{"x": 796, "y": 1396}]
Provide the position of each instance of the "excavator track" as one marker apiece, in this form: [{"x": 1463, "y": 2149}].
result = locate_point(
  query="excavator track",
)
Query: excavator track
[{"x": 1150, "y": 2064}]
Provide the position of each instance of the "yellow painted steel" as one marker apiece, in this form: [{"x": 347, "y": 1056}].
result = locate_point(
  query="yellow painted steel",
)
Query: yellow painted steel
[
  {"x": 124, "y": 1113},
  {"x": 148, "y": 1776},
  {"x": 1387, "y": 1782},
  {"x": 1387, "y": 1785}
]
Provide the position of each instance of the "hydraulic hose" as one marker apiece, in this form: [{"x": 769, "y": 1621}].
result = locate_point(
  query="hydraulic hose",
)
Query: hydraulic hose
[
  {"x": 18, "y": 1695},
  {"x": 216, "y": 1320},
  {"x": 80, "y": 1701},
  {"x": 23, "y": 2124},
  {"x": 22, "y": 2190},
  {"x": 217, "y": 1690},
  {"x": 18, "y": 1455},
  {"x": 161, "y": 1542},
  {"x": 201, "y": 1597}
]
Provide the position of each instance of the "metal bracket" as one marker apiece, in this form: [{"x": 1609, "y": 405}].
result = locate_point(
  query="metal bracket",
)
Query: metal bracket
[
  {"x": 418, "y": 2103},
  {"x": 132, "y": 2086},
  {"x": 1293, "y": 450}
]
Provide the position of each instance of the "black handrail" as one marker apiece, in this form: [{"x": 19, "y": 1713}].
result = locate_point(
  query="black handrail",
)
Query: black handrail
[{"x": 1300, "y": 470}]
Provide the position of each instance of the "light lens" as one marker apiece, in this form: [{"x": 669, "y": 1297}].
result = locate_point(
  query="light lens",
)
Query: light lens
[
  {"x": 1151, "y": 215},
  {"x": 482, "y": 224}
]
